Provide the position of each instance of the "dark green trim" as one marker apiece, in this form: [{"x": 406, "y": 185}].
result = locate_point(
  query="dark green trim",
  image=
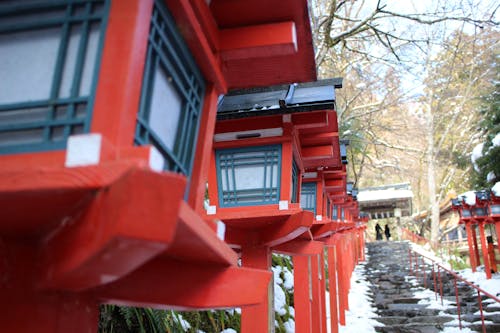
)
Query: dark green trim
[
  {"x": 168, "y": 52},
  {"x": 295, "y": 181},
  {"x": 227, "y": 161},
  {"x": 308, "y": 197},
  {"x": 83, "y": 15}
]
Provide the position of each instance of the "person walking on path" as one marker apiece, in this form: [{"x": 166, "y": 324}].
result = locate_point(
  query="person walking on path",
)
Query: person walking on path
[
  {"x": 378, "y": 231},
  {"x": 387, "y": 232}
]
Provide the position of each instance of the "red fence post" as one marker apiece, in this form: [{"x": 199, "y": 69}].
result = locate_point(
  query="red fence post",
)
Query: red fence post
[{"x": 332, "y": 275}]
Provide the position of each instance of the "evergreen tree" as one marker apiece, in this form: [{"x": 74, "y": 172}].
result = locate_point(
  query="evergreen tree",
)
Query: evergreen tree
[{"x": 487, "y": 167}]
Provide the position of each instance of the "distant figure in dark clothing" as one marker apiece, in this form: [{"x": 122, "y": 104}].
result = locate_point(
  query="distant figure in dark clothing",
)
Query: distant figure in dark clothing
[
  {"x": 387, "y": 232},
  {"x": 378, "y": 231}
]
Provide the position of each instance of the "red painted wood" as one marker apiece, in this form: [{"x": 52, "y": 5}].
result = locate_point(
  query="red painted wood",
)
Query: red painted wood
[
  {"x": 286, "y": 171},
  {"x": 299, "y": 247},
  {"x": 133, "y": 222},
  {"x": 263, "y": 40},
  {"x": 316, "y": 305},
  {"x": 49, "y": 311},
  {"x": 272, "y": 234},
  {"x": 302, "y": 293},
  {"x": 470, "y": 242},
  {"x": 248, "y": 216},
  {"x": 257, "y": 318},
  {"x": 484, "y": 248},
  {"x": 310, "y": 120},
  {"x": 196, "y": 241},
  {"x": 54, "y": 195},
  {"x": 252, "y": 123},
  {"x": 120, "y": 76},
  {"x": 201, "y": 165},
  {"x": 14, "y": 162},
  {"x": 207, "y": 23},
  {"x": 198, "y": 31},
  {"x": 332, "y": 276},
  {"x": 188, "y": 285},
  {"x": 342, "y": 267},
  {"x": 319, "y": 138},
  {"x": 476, "y": 247},
  {"x": 323, "y": 290},
  {"x": 299, "y": 67}
]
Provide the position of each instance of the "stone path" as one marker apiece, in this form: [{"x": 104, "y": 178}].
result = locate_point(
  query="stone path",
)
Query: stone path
[{"x": 396, "y": 295}]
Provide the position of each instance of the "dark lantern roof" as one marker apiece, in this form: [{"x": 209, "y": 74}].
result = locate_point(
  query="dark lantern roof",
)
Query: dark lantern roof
[{"x": 279, "y": 99}]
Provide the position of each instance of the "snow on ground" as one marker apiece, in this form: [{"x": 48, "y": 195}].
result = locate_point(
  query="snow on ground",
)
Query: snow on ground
[
  {"x": 360, "y": 317},
  {"x": 491, "y": 286}
]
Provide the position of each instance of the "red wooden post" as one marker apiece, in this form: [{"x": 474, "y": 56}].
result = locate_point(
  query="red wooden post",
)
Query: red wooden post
[
  {"x": 470, "y": 242},
  {"x": 49, "y": 311},
  {"x": 476, "y": 248},
  {"x": 302, "y": 293},
  {"x": 484, "y": 249},
  {"x": 342, "y": 260},
  {"x": 316, "y": 297},
  {"x": 323, "y": 291},
  {"x": 332, "y": 275},
  {"x": 497, "y": 229},
  {"x": 258, "y": 318}
]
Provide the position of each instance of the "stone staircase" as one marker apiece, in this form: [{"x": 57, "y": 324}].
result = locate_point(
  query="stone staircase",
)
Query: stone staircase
[{"x": 401, "y": 300}]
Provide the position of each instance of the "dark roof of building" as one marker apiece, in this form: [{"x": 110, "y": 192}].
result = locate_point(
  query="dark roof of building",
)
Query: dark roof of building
[{"x": 280, "y": 99}]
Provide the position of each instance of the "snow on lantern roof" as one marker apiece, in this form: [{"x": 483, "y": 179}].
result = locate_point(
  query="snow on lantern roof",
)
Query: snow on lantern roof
[
  {"x": 280, "y": 99},
  {"x": 496, "y": 189},
  {"x": 469, "y": 198}
]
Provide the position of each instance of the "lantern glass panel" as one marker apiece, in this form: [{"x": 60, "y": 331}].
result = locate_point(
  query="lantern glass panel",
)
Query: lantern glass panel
[
  {"x": 50, "y": 53},
  {"x": 334, "y": 213},
  {"x": 495, "y": 209},
  {"x": 172, "y": 95},
  {"x": 480, "y": 211},
  {"x": 166, "y": 107},
  {"x": 249, "y": 176},
  {"x": 466, "y": 213},
  {"x": 308, "y": 197}
]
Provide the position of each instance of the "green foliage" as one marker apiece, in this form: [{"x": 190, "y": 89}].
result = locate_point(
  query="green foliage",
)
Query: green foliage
[
  {"x": 490, "y": 125},
  {"x": 117, "y": 319},
  {"x": 454, "y": 258}
]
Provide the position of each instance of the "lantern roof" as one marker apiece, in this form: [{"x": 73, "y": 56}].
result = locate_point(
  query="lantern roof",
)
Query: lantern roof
[{"x": 279, "y": 99}]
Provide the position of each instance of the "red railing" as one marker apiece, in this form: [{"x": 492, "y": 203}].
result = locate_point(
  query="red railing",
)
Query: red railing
[
  {"x": 411, "y": 236},
  {"x": 417, "y": 267}
]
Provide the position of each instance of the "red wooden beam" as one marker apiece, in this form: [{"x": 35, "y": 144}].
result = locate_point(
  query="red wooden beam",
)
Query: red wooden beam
[
  {"x": 126, "y": 224},
  {"x": 299, "y": 247},
  {"x": 317, "y": 152},
  {"x": 268, "y": 232},
  {"x": 199, "y": 38},
  {"x": 185, "y": 285},
  {"x": 263, "y": 40},
  {"x": 196, "y": 241},
  {"x": 294, "y": 226}
]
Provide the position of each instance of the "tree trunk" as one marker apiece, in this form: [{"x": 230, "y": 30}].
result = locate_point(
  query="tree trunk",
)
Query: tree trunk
[{"x": 431, "y": 179}]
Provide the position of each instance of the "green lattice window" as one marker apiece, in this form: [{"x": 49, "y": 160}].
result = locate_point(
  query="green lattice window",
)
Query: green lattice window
[
  {"x": 49, "y": 60},
  {"x": 308, "y": 197},
  {"x": 295, "y": 182},
  {"x": 249, "y": 176},
  {"x": 335, "y": 213},
  {"x": 172, "y": 95}
]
